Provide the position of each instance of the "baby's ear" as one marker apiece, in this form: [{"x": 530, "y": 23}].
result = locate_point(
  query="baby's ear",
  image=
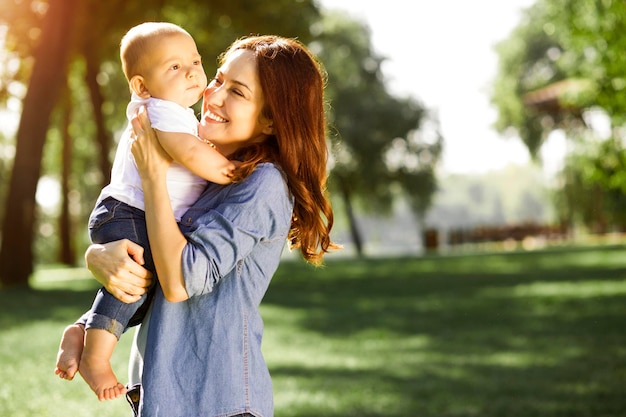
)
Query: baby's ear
[{"x": 138, "y": 86}]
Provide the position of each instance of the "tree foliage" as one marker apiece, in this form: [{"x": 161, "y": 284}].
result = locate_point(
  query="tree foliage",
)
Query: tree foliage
[
  {"x": 377, "y": 141},
  {"x": 594, "y": 187},
  {"x": 557, "y": 41},
  {"x": 564, "y": 59},
  {"x": 69, "y": 49},
  {"x": 86, "y": 99},
  {"x": 45, "y": 84}
]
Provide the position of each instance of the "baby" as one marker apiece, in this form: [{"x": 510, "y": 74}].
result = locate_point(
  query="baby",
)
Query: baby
[{"x": 164, "y": 71}]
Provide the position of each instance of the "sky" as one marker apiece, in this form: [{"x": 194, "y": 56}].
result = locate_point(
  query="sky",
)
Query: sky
[{"x": 442, "y": 53}]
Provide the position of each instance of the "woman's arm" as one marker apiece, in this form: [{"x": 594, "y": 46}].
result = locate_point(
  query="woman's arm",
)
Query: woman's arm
[
  {"x": 199, "y": 157},
  {"x": 166, "y": 240},
  {"x": 118, "y": 267}
]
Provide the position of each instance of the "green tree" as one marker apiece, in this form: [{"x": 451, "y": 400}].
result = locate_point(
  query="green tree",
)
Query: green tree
[
  {"x": 376, "y": 137},
  {"x": 48, "y": 73},
  {"x": 564, "y": 59},
  {"x": 594, "y": 187},
  {"x": 50, "y": 38}
]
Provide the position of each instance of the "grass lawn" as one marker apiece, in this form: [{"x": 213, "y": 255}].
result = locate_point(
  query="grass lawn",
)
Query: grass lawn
[{"x": 515, "y": 334}]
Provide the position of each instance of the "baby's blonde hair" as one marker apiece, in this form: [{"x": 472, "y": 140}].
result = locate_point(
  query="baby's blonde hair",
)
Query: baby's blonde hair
[{"x": 138, "y": 41}]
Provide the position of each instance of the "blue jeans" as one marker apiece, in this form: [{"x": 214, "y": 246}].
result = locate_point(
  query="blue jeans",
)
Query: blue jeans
[{"x": 113, "y": 220}]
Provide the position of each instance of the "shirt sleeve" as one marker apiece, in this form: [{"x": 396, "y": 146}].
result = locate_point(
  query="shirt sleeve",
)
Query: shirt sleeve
[
  {"x": 256, "y": 211},
  {"x": 170, "y": 117},
  {"x": 164, "y": 115}
]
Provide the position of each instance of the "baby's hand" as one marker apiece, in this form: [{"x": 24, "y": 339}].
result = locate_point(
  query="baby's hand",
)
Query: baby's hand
[{"x": 229, "y": 172}]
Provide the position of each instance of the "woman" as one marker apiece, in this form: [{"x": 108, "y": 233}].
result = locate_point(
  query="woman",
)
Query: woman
[{"x": 203, "y": 349}]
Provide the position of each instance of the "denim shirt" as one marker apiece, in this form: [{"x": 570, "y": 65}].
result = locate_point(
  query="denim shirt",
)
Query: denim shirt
[{"x": 203, "y": 355}]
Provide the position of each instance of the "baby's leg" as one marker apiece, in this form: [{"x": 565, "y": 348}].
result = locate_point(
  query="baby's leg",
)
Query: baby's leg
[
  {"x": 70, "y": 351},
  {"x": 95, "y": 365}
]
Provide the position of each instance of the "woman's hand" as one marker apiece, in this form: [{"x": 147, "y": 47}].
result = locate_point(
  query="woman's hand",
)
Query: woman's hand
[
  {"x": 118, "y": 267},
  {"x": 166, "y": 240},
  {"x": 151, "y": 159}
]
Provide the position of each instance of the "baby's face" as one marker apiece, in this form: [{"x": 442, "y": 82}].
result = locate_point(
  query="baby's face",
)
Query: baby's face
[{"x": 174, "y": 71}]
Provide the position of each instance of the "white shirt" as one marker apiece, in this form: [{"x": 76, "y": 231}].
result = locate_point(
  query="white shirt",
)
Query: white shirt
[{"x": 183, "y": 186}]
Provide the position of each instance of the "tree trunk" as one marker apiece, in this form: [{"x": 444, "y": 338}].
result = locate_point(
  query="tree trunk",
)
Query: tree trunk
[
  {"x": 47, "y": 80},
  {"x": 420, "y": 219},
  {"x": 67, "y": 255},
  {"x": 354, "y": 230},
  {"x": 102, "y": 137}
]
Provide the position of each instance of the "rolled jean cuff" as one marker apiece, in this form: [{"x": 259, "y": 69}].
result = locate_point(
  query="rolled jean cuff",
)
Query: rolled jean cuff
[{"x": 99, "y": 321}]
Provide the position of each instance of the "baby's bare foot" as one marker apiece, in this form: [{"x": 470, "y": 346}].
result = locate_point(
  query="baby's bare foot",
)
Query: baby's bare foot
[
  {"x": 99, "y": 375},
  {"x": 70, "y": 351}
]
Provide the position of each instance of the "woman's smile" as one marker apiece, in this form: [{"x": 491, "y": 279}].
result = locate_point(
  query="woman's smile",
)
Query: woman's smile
[{"x": 215, "y": 117}]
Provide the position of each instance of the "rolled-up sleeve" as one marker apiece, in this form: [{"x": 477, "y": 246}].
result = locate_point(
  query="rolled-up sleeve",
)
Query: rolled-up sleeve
[{"x": 227, "y": 222}]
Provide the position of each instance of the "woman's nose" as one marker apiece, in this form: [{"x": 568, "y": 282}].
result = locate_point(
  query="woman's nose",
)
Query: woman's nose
[
  {"x": 210, "y": 101},
  {"x": 213, "y": 95}
]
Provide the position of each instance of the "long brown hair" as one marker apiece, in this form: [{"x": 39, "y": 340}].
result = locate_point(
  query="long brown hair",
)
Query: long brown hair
[{"x": 293, "y": 81}]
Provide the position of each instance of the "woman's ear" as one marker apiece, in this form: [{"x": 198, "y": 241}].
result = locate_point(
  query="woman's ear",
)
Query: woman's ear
[
  {"x": 138, "y": 86},
  {"x": 268, "y": 126}
]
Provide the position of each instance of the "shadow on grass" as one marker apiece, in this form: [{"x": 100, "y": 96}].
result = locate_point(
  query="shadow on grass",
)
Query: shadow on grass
[
  {"x": 477, "y": 391},
  {"x": 408, "y": 295},
  {"x": 18, "y": 306},
  {"x": 528, "y": 334},
  {"x": 536, "y": 334}
]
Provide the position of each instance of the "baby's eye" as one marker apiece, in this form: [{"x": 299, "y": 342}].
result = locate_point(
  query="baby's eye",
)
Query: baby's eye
[
  {"x": 175, "y": 66},
  {"x": 198, "y": 62}
]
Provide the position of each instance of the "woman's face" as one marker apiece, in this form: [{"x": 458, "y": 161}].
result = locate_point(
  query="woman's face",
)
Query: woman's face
[{"x": 233, "y": 101}]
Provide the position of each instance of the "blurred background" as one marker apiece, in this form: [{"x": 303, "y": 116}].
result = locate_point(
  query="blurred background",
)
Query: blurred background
[
  {"x": 478, "y": 180},
  {"x": 453, "y": 125}
]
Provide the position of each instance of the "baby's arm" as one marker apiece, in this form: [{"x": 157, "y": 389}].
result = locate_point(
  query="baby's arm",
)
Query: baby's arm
[{"x": 197, "y": 156}]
